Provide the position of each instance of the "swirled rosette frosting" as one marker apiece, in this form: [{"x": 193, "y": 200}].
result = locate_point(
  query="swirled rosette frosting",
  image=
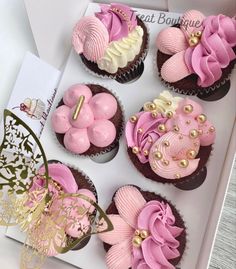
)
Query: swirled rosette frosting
[
  {"x": 145, "y": 234},
  {"x": 169, "y": 134},
  {"x": 202, "y": 46}
]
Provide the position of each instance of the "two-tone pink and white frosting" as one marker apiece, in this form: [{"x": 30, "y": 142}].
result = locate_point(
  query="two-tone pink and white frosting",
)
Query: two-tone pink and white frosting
[
  {"x": 170, "y": 139},
  {"x": 214, "y": 38},
  {"x": 92, "y": 126},
  {"x": 111, "y": 38},
  {"x": 145, "y": 234},
  {"x": 75, "y": 223}
]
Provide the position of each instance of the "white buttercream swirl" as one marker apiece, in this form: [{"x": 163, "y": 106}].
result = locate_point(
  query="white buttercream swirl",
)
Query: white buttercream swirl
[
  {"x": 163, "y": 104},
  {"x": 119, "y": 53}
]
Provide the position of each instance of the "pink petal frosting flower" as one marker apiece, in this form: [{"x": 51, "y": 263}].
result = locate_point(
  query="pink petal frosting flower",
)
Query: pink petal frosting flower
[
  {"x": 135, "y": 214},
  {"x": 92, "y": 126},
  {"x": 212, "y": 52},
  {"x": 119, "y": 20}
]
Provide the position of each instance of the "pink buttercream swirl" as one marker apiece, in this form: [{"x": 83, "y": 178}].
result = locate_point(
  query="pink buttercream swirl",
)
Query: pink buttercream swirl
[
  {"x": 156, "y": 218},
  {"x": 211, "y": 52},
  {"x": 161, "y": 245},
  {"x": 214, "y": 52},
  {"x": 118, "y": 19},
  {"x": 143, "y": 133}
]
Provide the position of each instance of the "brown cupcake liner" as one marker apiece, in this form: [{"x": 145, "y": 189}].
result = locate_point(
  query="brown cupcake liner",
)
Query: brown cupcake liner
[
  {"x": 134, "y": 72},
  {"x": 190, "y": 182},
  {"x": 183, "y": 238},
  {"x": 120, "y": 128},
  {"x": 85, "y": 183}
]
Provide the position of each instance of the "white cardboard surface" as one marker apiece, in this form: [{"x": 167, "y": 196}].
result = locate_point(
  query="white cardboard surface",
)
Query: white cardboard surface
[
  {"x": 36, "y": 80},
  {"x": 196, "y": 206}
]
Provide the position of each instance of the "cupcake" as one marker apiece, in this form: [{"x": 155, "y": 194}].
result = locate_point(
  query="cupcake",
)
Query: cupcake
[
  {"x": 88, "y": 120},
  {"x": 69, "y": 218},
  {"x": 112, "y": 43},
  {"x": 148, "y": 231},
  {"x": 170, "y": 141},
  {"x": 196, "y": 56}
]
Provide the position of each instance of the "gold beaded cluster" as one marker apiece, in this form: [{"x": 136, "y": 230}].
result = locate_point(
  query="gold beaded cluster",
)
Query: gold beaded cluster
[
  {"x": 195, "y": 38},
  {"x": 139, "y": 236},
  {"x": 124, "y": 15}
]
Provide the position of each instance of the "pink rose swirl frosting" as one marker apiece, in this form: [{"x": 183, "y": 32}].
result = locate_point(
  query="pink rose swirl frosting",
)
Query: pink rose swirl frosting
[
  {"x": 91, "y": 38},
  {"x": 161, "y": 245},
  {"x": 143, "y": 133},
  {"x": 214, "y": 52},
  {"x": 118, "y": 19}
]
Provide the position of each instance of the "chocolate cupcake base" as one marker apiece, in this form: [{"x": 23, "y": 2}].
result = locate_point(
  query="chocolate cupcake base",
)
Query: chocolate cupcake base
[
  {"x": 132, "y": 71},
  {"x": 117, "y": 120},
  {"x": 189, "y": 86},
  {"x": 83, "y": 182},
  {"x": 149, "y": 196},
  {"x": 190, "y": 182}
]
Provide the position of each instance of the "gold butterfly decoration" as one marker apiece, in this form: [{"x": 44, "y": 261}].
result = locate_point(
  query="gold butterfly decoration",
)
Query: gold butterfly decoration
[{"x": 25, "y": 203}]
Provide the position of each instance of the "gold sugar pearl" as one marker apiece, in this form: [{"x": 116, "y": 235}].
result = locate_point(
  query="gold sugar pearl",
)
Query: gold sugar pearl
[
  {"x": 183, "y": 163},
  {"x": 188, "y": 109},
  {"x": 140, "y": 130},
  {"x": 146, "y": 152},
  {"x": 193, "y": 41},
  {"x": 161, "y": 128},
  {"x": 165, "y": 162},
  {"x": 191, "y": 154},
  {"x": 188, "y": 122},
  {"x": 193, "y": 133},
  {"x": 137, "y": 241},
  {"x": 212, "y": 129},
  {"x": 158, "y": 155},
  {"x": 177, "y": 176},
  {"x": 135, "y": 150},
  {"x": 133, "y": 119},
  {"x": 200, "y": 132},
  {"x": 176, "y": 128},
  {"x": 169, "y": 114},
  {"x": 144, "y": 234},
  {"x": 137, "y": 232},
  {"x": 198, "y": 33},
  {"x": 152, "y": 106},
  {"x": 169, "y": 103},
  {"x": 150, "y": 140},
  {"x": 154, "y": 114},
  {"x": 201, "y": 118},
  {"x": 166, "y": 143}
]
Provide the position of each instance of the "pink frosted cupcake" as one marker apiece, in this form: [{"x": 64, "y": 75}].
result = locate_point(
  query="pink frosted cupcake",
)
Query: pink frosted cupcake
[
  {"x": 148, "y": 231},
  {"x": 170, "y": 141},
  {"x": 197, "y": 56},
  {"x": 88, "y": 120},
  {"x": 113, "y": 43},
  {"x": 65, "y": 180}
]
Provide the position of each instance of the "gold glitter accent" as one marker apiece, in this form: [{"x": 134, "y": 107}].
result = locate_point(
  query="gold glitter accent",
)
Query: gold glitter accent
[{"x": 78, "y": 107}]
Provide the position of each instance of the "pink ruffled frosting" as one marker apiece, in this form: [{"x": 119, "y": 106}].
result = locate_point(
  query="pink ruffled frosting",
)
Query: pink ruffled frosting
[
  {"x": 62, "y": 175},
  {"x": 91, "y": 38},
  {"x": 180, "y": 136},
  {"x": 213, "y": 52},
  {"x": 154, "y": 217},
  {"x": 142, "y": 132},
  {"x": 92, "y": 126},
  {"x": 118, "y": 19}
]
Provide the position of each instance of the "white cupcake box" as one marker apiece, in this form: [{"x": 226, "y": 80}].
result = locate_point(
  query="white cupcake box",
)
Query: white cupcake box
[{"x": 201, "y": 208}]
